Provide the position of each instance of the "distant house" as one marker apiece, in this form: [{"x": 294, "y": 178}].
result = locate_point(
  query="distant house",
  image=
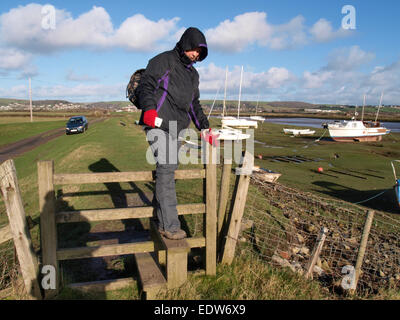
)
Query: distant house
[{"x": 129, "y": 109}]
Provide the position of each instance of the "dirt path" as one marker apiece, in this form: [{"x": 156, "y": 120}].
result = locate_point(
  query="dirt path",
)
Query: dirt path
[{"x": 15, "y": 149}]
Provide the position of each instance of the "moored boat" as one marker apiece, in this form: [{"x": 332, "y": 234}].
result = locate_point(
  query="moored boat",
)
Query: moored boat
[
  {"x": 299, "y": 132},
  {"x": 355, "y": 130}
]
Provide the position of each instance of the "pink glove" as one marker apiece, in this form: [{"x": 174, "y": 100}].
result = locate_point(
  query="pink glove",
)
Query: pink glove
[
  {"x": 149, "y": 118},
  {"x": 210, "y": 137}
]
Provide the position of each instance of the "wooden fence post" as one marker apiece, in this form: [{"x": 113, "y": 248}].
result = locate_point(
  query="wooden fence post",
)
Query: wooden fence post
[
  {"x": 223, "y": 195},
  {"x": 48, "y": 229},
  {"x": 238, "y": 208},
  {"x": 316, "y": 252},
  {"x": 211, "y": 211},
  {"x": 363, "y": 246},
  {"x": 19, "y": 229}
]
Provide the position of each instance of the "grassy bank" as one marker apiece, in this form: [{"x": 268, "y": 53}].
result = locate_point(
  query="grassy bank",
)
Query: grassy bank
[
  {"x": 14, "y": 131},
  {"x": 118, "y": 145}
]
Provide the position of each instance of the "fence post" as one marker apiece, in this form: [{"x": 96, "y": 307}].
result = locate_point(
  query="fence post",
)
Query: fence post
[
  {"x": 48, "y": 229},
  {"x": 363, "y": 246},
  {"x": 223, "y": 195},
  {"x": 19, "y": 229},
  {"x": 238, "y": 208},
  {"x": 211, "y": 211},
  {"x": 316, "y": 252}
]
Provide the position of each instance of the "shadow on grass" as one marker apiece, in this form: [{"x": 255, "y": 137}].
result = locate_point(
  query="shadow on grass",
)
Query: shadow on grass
[{"x": 384, "y": 202}]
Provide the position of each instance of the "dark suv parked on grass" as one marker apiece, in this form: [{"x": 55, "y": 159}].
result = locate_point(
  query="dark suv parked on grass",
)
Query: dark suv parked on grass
[{"x": 77, "y": 124}]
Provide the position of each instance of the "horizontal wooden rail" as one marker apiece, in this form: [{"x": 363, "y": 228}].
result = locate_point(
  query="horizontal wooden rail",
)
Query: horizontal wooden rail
[
  {"x": 5, "y": 234},
  {"x": 109, "y": 177},
  {"x": 118, "y": 249},
  {"x": 122, "y": 213},
  {"x": 103, "y": 285}
]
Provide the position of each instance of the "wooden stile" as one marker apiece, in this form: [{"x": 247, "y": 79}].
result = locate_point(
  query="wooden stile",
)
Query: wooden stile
[
  {"x": 211, "y": 214},
  {"x": 122, "y": 213},
  {"x": 238, "y": 209},
  {"x": 151, "y": 277},
  {"x": 5, "y": 234},
  {"x": 48, "y": 230},
  {"x": 19, "y": 229},
  {"x": 109, "y": 177}
]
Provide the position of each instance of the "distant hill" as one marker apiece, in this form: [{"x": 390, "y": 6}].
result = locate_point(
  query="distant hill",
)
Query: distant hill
[{"x": 292, "y": 104}]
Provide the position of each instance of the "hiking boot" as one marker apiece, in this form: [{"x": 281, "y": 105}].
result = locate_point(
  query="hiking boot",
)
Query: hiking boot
[{"x": 176, "y": 235}]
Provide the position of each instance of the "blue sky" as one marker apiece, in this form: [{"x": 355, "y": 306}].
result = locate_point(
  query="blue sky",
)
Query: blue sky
[{"x": 290, "y": 50}]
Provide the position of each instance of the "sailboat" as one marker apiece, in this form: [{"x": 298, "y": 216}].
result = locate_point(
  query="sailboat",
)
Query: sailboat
[
  {"x": 356, "y": 130},
  {"x": 238, "y": 122},
  {"x": 256, "y": 117}
]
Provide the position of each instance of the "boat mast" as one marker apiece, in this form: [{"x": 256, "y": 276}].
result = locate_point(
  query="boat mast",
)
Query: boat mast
[
  {"x": 240, "y": 90},
  {"x": 226, "y": 83},
  {"x": 362, "y": 114},
  {"x": 380, "y": 104}
]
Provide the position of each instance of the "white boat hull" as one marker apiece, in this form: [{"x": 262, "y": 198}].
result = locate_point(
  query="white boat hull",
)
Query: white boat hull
[
  {"x": 238, "y": 123},
  {"x": 299, "y": 132},
  {"x": 257, "y": 118},
  {"x": 349, "y": 131}
]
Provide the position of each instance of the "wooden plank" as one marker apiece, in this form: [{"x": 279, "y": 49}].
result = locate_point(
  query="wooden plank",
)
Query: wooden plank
[
  {"x": 18, "y": 226},
  {"x": 104, "y": 250},
  {"x": 103, "y": 285},
  {"x": 151, "y": 278},
  {"x": 316, "y": 252},
  {"x": 108, "y": 177},
  {"x": 177, "y": 263},
  {"x": 122, "y": 213},
  {"x": 5, "y": 234},
  {"x": 176, "y": 258},
  {"x": 238, "y": 210},
  {"x": 223, "y": 195},
  {"x": 48, "y": 229},
  {"x": 211, "y": 214},
  {"x": 117, "y": 249}
]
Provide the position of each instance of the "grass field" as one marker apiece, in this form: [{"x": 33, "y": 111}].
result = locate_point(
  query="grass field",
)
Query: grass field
[
  {"x": 118, "y": 145},
  {"x": 14, "y": 131}
]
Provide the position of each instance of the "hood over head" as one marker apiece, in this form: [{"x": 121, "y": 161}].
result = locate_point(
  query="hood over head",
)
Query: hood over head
[{"x": 193, "y": 38}]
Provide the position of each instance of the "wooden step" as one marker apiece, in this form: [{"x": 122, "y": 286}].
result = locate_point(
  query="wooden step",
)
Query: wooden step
[
  {"x": 103, "y": 285},
  {"x": 176, "y": 257},
  {"x": 151, "y": 277}
]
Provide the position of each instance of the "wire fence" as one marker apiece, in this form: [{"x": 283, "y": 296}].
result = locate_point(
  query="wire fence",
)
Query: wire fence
[
  {"x": 281, "y": 225},
  {"x": 9, "y": 265}
]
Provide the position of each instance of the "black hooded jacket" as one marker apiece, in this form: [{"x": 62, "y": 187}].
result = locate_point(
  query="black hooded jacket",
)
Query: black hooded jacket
[{"x": 170, "y": 84}]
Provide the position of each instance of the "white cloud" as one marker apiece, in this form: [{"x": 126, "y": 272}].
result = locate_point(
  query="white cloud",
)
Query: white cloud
[
  {"x": 21, "y": 28},
  {"x": 322, "y": 31},
  {"x": 212, "y": 78},
  {"x": 253, "y": 28},
  {"x": 314, "y": 80},
  {"x": 349, "y": 58},
  {"x": 245, "y": 29},
  {"x": 289, "y": 35},
  {"x": 13, "y": 59},
  {"x": 81, "y": 92},
  {"x": 140, "y": 34}
]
